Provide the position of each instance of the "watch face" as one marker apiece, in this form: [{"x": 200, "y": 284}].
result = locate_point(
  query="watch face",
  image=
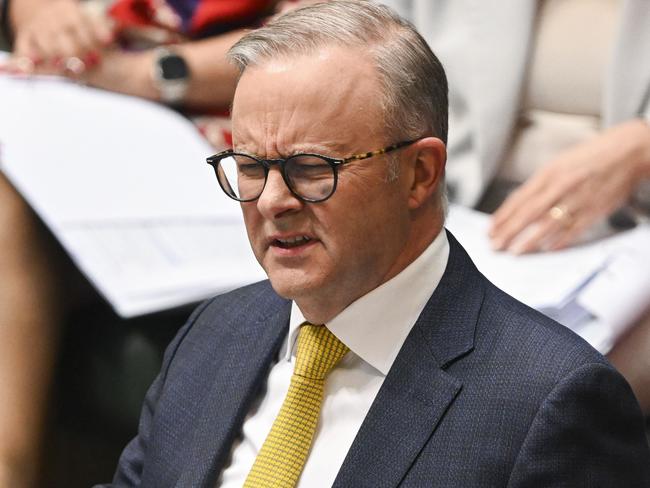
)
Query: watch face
[{"x": 173, "y": 67}]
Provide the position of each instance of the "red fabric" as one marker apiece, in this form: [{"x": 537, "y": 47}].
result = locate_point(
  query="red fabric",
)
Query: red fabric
[
  {"x": 226, "y": 11},
  {"x": 141, "y": 13},
  {"x": 130, "y": 13}
]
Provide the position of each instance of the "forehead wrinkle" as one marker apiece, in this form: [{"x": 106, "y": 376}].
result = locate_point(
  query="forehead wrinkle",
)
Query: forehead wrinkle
[
  {"x": 276, "y": 132},
  {"x": 292, "y": 113}
]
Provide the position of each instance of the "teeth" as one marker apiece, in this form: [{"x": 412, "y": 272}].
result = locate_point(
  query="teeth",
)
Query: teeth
[{"x": 294, "y": 240}]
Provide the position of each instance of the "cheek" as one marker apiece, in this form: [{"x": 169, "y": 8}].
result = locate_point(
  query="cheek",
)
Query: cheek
[
  {"x": 352, "y": 231},
  {"x": 253, "y": 223},
  {"x": 382, "y": 221}
]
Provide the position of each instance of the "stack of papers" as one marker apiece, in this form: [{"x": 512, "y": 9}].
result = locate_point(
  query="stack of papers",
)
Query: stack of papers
[
  {"x": 597, "y": 289},
  {"x": 123, "y": 184}
]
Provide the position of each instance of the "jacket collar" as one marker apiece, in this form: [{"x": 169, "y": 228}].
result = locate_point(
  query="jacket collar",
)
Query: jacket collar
[{"x": 418, "y": 391}]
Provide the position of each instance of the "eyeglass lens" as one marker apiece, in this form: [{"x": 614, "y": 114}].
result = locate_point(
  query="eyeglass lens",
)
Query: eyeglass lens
[{"x": 243, "y": 177}]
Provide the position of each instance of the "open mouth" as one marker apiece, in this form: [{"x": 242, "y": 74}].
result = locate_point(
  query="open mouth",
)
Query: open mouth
[{"x": 291, "y": 242}]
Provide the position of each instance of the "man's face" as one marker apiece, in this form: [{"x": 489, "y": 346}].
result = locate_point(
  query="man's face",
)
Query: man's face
[{"x": 323, "y": 255}]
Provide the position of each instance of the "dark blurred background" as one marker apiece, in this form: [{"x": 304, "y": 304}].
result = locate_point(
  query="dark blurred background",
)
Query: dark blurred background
[{"x": 104, "y": 369}]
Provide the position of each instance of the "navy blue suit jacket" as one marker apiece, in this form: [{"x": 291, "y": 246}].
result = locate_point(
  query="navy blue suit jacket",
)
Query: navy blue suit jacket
[{"x": 485, "y": 392}]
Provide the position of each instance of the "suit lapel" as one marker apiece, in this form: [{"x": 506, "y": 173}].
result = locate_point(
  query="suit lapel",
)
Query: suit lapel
[
  {"x": 417, "y": 391},
  {"x": 248, "y": 357},
  {"x": 407, "y": 409}
]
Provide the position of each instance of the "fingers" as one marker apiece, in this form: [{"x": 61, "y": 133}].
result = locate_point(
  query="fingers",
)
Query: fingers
[
  {"x": 24, "y": 48},
  {"x": 552, "y": 222},
  {"x": 61, "y": 32},
  {"x": 526, "y": 206},
  {"x": 548, "y": 212},
  {"x": 13, "y": 65},
  {"x": 89, "y": 34},
  {"x": 555, "y": 229},
  {"x": 579, "y": 187}
]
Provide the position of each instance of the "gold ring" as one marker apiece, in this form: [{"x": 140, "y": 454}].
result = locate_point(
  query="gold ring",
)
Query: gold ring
[
  {"x": 75, "y": 65},
  {"x": 560, "y": 213}
]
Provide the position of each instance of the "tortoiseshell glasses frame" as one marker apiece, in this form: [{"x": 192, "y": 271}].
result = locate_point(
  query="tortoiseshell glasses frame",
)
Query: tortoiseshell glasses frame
[{"x": 310, "y": 177}]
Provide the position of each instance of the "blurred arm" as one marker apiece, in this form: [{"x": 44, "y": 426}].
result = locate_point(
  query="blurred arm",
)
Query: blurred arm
[{"x": 212, "y": 77}]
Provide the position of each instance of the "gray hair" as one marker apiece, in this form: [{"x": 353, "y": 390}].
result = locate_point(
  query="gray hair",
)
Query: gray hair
[
  {"x": 413, "y": 79},
  {"x": 414, "y": 99}
]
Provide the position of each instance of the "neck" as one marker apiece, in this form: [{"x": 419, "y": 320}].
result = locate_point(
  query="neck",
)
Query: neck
[{"x": 327, "y": 304}]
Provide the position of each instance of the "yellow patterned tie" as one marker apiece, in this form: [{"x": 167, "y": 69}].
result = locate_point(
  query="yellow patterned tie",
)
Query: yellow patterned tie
[{"x": 284, "y": 452}]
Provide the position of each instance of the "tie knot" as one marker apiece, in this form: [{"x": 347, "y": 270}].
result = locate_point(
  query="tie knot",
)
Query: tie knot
[{"x": 318, "y": 351}]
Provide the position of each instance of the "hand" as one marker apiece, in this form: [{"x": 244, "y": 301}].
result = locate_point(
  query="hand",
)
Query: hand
[
  {"x": 60, "y": 31},
  {"x": 573, "y": 191}
]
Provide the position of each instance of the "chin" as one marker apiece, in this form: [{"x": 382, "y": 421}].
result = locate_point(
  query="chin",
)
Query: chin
[{"x": 292, "y": 284}]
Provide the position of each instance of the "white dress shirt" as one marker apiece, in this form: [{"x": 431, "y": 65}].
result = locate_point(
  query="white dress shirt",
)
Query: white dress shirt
[{"x": 374, "y": 328}]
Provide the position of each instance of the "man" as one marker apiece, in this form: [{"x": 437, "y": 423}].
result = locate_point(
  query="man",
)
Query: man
[{"x": 424, "y": 373}]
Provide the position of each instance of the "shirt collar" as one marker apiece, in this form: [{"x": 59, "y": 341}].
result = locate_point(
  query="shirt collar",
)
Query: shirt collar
[{"x": 376, "y": 325}]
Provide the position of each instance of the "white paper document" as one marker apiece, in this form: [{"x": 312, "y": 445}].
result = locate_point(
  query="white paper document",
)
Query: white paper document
[
  {"x": 150, "y": 265},
  {"x": 79, "y": 153},
  {"x": 124, "y": 186},
  {"x": 598, "y": 289}
]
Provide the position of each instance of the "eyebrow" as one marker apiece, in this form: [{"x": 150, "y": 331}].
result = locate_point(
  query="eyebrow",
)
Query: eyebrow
[{"x": 323, "y": 150}]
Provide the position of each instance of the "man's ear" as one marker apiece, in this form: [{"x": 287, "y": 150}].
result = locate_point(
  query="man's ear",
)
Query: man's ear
[{"x": 426, "y": 169}]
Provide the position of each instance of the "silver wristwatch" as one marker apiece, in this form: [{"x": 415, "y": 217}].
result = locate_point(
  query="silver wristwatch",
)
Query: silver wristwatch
[{"x": 171, "y": 75}]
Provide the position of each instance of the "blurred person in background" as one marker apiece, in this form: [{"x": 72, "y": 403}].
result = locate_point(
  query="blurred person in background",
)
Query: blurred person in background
[
  {"x": 549, "y": 111},
  {"x": 173, "y": 53}
]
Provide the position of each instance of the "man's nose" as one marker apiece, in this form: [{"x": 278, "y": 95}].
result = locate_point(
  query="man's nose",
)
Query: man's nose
[{"x": 276, "y": 198}]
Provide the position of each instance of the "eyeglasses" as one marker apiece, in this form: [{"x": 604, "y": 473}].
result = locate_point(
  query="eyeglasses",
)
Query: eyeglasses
[{"x": 310, "y": 177}]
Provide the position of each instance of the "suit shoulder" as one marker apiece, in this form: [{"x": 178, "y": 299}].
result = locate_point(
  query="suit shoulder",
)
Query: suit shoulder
[
  {"x": 531, "y": 338},
  {"x": 214, "y": 318},
  {"x": 257, "y": 299},
  {"x": 255, "y": 296}
]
